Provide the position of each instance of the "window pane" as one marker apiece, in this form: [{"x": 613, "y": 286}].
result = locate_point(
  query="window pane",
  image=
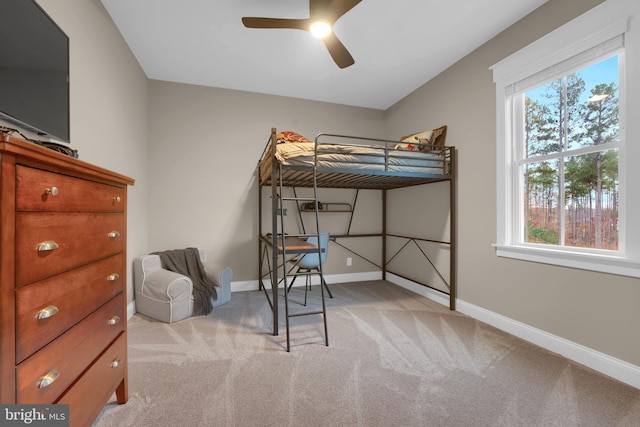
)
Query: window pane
[
  {"x": 541, "y": 137},
  {"x": 541, "y": 191},
  {"x": 591, "y": 200},
  {"x": 601, "y": 119},
  {"x": 577, "y": 110}
]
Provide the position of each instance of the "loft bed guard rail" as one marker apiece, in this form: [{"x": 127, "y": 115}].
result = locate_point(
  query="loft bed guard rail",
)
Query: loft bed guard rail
[
  {"x": 354, "y": 162},
  {"x": 344, "y": 161}
]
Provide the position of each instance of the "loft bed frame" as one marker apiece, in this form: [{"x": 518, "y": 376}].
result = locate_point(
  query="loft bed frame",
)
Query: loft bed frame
[{"x": 365, "y": 172}]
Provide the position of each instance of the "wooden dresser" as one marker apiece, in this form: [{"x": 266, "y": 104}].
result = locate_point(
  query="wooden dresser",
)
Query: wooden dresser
[{"x": 63, "y": 317}]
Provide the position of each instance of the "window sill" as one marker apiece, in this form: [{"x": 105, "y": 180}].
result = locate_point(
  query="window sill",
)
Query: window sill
[{"x": 583, "y": 261}]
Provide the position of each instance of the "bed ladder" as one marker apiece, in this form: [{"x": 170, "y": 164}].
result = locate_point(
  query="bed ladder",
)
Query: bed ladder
[{"x": 297, "y": 238}]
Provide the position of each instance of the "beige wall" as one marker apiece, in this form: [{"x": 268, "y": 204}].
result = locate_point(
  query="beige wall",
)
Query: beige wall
[
  {"x": 108, "y": 92},
  {"x": 203, "y": 151},
  {"x": 597, "y": 310}
]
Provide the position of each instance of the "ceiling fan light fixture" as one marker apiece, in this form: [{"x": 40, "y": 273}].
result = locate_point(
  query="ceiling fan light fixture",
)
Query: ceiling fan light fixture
[
  {"x": 322, "y": 15},
  {"x": 320, "y": 29}
]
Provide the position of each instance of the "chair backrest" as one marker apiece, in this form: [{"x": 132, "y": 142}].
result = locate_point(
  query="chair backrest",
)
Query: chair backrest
[{"x": 310, "y": 260}]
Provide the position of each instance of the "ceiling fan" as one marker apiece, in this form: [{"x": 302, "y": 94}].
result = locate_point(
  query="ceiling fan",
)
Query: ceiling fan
[{"x": 322, "y": 15}]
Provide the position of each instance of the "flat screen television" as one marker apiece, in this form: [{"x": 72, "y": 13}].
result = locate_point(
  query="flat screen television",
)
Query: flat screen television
[{"x": 34, "y": 70}]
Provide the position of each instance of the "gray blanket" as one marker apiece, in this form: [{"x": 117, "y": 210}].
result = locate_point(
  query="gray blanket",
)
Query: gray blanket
[{"x": 187, "y": 262}]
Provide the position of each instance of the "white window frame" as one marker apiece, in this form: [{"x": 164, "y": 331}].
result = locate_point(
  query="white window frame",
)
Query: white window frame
[{"x": 584, "y": 37}]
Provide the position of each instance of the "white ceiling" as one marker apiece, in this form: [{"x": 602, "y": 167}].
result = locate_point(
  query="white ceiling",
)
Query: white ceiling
[{"x": 397, "y": 45}]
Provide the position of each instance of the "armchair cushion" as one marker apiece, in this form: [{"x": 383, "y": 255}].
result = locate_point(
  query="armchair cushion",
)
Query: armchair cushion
[{"x": 165, "y": 285}]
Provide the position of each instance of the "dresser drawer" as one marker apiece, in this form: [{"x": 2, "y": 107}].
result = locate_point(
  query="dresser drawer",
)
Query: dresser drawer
[
  {"x": 97, "y": 384},
  {"x": 66, "y": 298},
  {"x": 38, "y": 190},
  {"x": 69, "y": 354},
  {"x": 79, "y": 237}
]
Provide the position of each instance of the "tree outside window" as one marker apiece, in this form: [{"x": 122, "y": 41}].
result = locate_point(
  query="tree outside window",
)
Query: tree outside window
[{"x": 569, "y": 161}]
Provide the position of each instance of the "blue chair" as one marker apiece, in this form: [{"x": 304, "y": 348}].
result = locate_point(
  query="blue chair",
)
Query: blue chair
[{"x": 310, "y": 263}]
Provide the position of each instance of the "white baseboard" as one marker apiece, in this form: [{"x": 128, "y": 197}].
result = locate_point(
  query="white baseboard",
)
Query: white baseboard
[
  {"x": 131, "y": 309},
  {"x": 603, "y": 363},
  {"x": 608, "y": 365},
  {"x": 246, "y": 285},
  {"x": 353, "y": 277},
  {"x": 252, "y": 285},
  {"x": 417, "y": 288}
]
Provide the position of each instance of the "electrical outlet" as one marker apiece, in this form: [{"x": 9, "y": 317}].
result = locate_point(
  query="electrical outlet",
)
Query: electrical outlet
[{"x": 349, "y": 261}]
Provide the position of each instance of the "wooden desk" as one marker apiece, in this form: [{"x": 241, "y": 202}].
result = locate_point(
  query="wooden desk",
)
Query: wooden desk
[
  {"x": 293, "y": 244},
  {"x": 297, "y": 245}
]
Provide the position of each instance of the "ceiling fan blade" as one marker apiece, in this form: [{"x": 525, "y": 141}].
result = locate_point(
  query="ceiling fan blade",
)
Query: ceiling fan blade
[
  {"x": 296, "y": 24},
  {"x": 338, "y": 52},
  {"x": 337, "y": 8}
]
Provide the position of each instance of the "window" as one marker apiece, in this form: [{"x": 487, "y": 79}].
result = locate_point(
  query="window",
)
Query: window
[
  {"x": 567, "y": 158},
  {"x": 564, "y": 174}
]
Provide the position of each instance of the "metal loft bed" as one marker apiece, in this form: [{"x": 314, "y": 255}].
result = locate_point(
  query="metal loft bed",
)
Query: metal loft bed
[{"x": 348, "y": 162}]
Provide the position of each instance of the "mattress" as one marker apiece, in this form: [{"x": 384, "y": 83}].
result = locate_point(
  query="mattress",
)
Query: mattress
[{"x": 360, "y": 157}]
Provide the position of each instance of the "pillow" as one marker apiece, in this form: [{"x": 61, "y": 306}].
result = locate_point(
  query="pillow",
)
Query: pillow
[
  {"x": 439, "y": 136},
  {"x": 433, "y": 138},
  {"x": 289, "y": 136},
  {"x": 415, "y": 140},
  {"x": 406, "y": 146},
  {"x": 424, "y": 137}
]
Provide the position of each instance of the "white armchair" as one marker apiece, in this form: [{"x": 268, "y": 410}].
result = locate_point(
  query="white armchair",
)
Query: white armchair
[{"x": 166, "y": 295}]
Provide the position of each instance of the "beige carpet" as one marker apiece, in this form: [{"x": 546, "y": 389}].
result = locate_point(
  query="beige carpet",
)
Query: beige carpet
[{"x": 394, "y": 359}]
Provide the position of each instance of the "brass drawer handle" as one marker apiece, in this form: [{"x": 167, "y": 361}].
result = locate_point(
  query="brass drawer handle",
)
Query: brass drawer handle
[
  {"x": 117, "y": 199},
  {"x": 116, "y": 362},
  {"x": 113, "y": 321},
  {"x": 47, "y": 312},
  {"x": 53, "y": 191},
  {"x": 48, "y": 379},
  {"x": 113, "y": 235},
  {"x": 47, "y": 245},
  {"x": 113, "y": 277}
]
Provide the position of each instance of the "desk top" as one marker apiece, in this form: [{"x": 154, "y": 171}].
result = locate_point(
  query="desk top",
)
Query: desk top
[{"x": 293, "y": 244}]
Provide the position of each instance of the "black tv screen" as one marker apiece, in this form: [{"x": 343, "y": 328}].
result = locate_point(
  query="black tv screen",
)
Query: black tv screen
[{"x": 34, "y": 70}]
